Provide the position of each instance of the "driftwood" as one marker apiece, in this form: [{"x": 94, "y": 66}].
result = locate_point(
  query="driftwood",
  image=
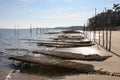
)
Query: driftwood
[
  {"x": 84, "y": 68},
  {"x": 69, "y": 55}
]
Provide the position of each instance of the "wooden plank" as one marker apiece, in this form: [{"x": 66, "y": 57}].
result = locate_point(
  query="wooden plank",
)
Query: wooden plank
[
  {"x": 75, "y": 56},
  {"x": 85, "y": 68}
]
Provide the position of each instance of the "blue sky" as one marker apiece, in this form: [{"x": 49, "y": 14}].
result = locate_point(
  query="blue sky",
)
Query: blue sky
[{"x": 49, "y": 13}]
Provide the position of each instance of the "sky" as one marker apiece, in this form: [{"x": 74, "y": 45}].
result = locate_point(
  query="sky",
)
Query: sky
[{"x": 49, "y": 13}]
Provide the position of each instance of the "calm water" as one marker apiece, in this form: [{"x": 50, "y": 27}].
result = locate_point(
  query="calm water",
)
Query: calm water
[
  {"x": 11, "y": 39},
  {"x": 21, "y": 42}
]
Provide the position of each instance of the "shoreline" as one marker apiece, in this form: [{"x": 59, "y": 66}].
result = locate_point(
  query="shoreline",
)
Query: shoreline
[{"x": 111, "y": 65}]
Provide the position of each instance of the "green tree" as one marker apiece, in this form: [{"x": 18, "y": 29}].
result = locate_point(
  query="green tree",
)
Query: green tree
[{"x": 116, "y": 7}]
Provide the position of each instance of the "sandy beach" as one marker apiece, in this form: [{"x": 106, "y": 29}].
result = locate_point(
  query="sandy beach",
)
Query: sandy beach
[
  {"x": 51, "y": 73},
  {"x": 59, "y": 40}
]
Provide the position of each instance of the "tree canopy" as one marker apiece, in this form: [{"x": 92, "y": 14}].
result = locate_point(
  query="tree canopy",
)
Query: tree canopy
[{"x": 110, "y": 17}]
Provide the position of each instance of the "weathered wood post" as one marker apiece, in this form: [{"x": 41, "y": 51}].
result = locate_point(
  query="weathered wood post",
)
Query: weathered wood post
[
  {"x": 106, "y": 28},
  {"x": 95, "y": 27},
  {"x": 103, "y": 25},
  {"x": 99, "y": 35},
  {"x": 36, "y": 30},
  {"x": 99, "y": 32},
  {"x": 15, "y": 30},
  {"x": 110, "y": 30},
  {"x": 84, "y": 30},
  {"x": 18, "y": 30},
  {"x": 30, "y": 29},
  {"x": 40, "y": 30},
  {"x": 110, "y": 39},
  {"x": 90, "y": 32}
]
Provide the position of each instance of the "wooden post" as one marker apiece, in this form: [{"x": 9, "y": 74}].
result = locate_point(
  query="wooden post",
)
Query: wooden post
[
  {"x": 36, "y": 30},
  {"x": 15, "y": 30},
  {"x": 95, "y": 27},
  {"x": 106, "y": 28},
  {"x": 110, "y": 39},
  {"x": 43, "y": 30},
  {"x": 90, "y": 31},
  {"x": 18, "y": 30},
  {"x": 99, "y": 34},
  {"x": 110, "y": 31},
  {"x": 103, "y": 25},
  {"x": 106, "y": 38},
  {"x": 103, "y": 37},
  {"x": 40, "y": 30},
  {"x": 84, "y": 30},
  {"x": 30, "y": 29}
]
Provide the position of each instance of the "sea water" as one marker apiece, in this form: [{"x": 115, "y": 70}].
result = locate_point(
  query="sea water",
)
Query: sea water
[{"x": 23, "y": 39}]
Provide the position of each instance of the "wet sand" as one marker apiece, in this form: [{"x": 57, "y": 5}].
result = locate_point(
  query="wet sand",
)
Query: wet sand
[
  {"x": 115, "y": 40},
  {"x": 90, "y": 77},
  {"x": 111, "y": 65}
]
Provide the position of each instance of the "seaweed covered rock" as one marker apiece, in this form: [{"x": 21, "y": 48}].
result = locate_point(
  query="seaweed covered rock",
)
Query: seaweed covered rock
[
  {"x": 80, "y": 67},
  {"x": 74, "y": 56}
]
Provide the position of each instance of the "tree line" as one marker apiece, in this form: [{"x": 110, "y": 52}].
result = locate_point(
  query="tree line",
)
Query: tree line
[{"x": 105, "y": 19}]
